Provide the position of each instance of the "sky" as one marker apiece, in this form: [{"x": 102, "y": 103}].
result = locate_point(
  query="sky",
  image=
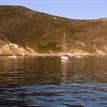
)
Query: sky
[{"x": 74, "y": 9}]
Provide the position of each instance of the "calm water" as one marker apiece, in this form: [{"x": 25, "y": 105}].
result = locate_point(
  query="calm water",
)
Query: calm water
[{"x": 50, "y": 82}]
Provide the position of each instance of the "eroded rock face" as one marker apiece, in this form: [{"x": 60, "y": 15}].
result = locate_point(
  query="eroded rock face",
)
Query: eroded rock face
[{"x": 14, "y": 49}]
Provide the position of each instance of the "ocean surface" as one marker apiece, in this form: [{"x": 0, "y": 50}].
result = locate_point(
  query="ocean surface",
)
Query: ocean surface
[{"x": 51, "y": 82}]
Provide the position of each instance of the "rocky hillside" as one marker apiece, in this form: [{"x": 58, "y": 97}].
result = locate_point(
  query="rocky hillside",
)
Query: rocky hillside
[{"x": 26, "y": 32}]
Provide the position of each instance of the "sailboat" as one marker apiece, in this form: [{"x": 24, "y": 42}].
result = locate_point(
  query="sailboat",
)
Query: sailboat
[{"x": 65, "y": 56}]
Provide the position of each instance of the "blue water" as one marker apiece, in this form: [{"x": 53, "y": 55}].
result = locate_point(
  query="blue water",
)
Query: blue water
[{"x": 50, "y": 82}]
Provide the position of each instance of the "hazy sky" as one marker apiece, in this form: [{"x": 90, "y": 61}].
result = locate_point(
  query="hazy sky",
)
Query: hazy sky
[{"x": 76, "y": 9}]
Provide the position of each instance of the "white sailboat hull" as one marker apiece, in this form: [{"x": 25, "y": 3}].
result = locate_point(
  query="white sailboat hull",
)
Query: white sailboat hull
[
  {"x": 64, "y": 57},
  {"x": 14, "y": 56}
]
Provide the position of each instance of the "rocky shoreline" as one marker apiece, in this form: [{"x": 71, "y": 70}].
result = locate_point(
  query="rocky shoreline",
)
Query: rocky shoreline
[{"x": 14, "y": 49}]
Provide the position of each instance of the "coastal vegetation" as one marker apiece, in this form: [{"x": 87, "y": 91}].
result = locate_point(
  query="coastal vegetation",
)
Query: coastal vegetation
[{"x": 32, "y": 32}]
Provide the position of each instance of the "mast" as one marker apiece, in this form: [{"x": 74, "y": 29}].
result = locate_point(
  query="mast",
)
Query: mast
[
  {"x": 65, "y": 47},
  {"x": 64, "y": 56}
]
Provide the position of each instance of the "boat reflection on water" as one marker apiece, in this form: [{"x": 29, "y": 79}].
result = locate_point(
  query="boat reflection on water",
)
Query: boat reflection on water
[{"x": 64, "y": 70}]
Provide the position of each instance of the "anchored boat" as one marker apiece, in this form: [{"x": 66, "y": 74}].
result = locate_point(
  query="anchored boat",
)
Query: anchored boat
[{"x": 65, "y": 56}]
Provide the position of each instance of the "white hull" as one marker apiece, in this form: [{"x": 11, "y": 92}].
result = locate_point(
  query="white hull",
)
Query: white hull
[
  {"x": 64, "y": 57},
  {"x": 14, "y": 56}
]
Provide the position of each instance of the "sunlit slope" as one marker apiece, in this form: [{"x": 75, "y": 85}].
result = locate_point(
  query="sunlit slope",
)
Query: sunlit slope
[{"x": 33, "y": 32}]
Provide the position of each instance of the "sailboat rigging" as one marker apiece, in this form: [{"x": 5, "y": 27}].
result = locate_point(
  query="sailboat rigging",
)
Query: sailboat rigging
[{"x": 65, "y": 56}]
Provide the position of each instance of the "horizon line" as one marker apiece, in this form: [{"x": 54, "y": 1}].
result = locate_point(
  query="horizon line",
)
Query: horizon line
[{"x": 48, "y": 13}]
